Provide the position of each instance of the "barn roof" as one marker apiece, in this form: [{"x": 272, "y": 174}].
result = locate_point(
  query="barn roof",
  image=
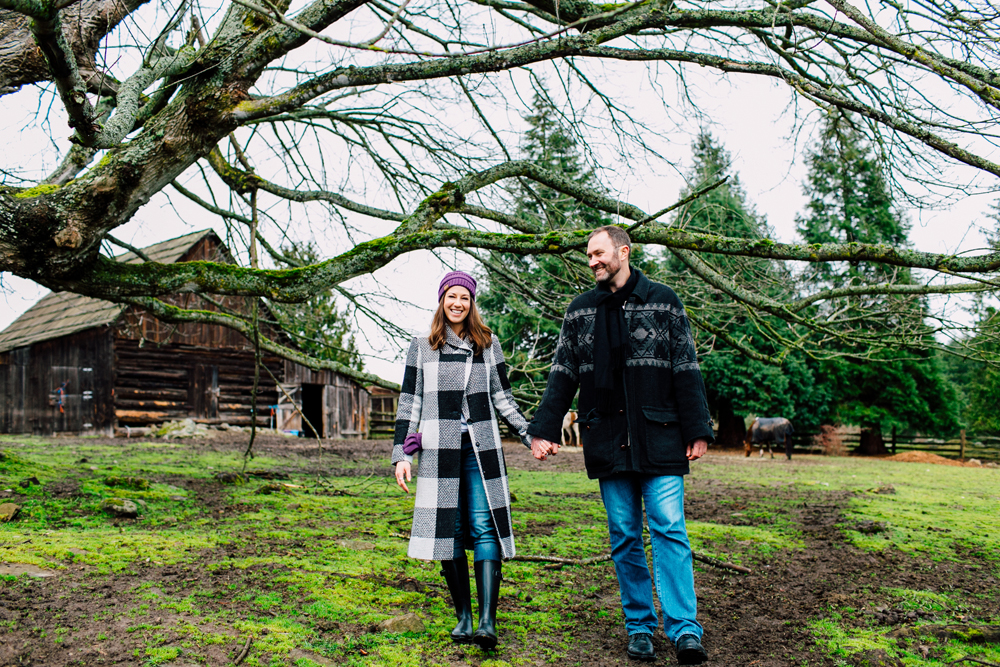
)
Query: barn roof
[{"x": 62, "y": 313}]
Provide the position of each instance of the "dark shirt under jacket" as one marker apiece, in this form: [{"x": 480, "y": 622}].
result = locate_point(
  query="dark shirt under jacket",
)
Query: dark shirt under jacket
[{"x": 663, "y": 405}]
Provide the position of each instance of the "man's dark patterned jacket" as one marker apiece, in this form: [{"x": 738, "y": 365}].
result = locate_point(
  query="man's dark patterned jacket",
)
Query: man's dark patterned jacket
[{"x": 665, "y": 407}]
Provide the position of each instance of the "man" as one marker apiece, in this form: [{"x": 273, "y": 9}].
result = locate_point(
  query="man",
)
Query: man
[{"x": 644, "y": 416}]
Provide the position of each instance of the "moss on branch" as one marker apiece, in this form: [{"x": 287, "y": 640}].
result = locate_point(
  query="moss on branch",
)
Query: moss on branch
[
  {"x": 109, "y": 279},
  {"x": 37, "y": 191}
]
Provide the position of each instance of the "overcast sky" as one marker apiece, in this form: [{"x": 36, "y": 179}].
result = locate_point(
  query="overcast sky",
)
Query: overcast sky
[{"x": 750, "y": 118}]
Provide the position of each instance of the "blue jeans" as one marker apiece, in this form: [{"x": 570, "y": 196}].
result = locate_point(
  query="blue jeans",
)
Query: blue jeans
[
  {"x": 474, "y": 511},
  {"x": 663, "y": 496}
]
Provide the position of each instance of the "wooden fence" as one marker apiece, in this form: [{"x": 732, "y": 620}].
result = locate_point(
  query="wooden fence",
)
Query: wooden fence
[{"x": 965, "y": 446}]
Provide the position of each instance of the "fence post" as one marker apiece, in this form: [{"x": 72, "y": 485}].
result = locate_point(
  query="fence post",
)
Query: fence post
[
  {"x": 961, "y": 452},
  {"x": 894, "y": 440}
]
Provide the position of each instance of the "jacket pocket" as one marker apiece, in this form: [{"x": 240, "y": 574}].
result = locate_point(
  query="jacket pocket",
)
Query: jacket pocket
[
  {"x": 598, "y": 442},
  {"x": 663, "y": 443}
]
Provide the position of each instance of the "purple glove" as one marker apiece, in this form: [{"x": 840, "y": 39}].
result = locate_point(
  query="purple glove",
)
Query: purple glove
[{"x": 413, "y": 443}]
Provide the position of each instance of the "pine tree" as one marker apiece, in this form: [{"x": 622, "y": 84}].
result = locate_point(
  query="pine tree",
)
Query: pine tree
[
  {"x": 317, "y": 326},
  {"x": 738, "y": 385},
  {"x": 976, "y": 381},
  {"x": 726, "y": 208},
  {"x": 851, "y": 201},
  {"x": 549, "y": 143},
  {"x": 523, "y": 299},
  {"x": 980, "y": 383}
]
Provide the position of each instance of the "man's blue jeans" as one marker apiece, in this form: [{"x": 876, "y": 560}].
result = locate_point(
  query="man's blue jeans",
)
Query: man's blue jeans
[
  {"x": 474, "y": 508},
  {"x": 624, "y": 496}
]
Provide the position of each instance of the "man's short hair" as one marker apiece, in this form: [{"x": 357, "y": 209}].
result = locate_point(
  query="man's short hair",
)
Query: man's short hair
[{"x": 619, "y": 237}]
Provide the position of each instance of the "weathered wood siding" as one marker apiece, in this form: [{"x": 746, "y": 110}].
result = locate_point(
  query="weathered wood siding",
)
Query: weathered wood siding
[
  {"x": 140, "y": 371},
  {"x": 382, "y": 415},
  {"x": 57, "y": 386},
  {"x": 205, "y": 372},
  {"x": 157, "y": 383},
  {"x": 140, "y": 326},
  {"x": 112, "y": 377},
  {"x": 345, "y": 404}
]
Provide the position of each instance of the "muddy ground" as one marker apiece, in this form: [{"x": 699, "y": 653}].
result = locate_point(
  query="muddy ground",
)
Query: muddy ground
[{"x": 756, "y": 620}]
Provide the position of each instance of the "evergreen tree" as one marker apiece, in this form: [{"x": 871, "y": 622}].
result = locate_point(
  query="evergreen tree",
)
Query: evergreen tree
[
  {"x": 523, "y": 299},
  {"x": 850, "y": 201},
  {"x": 724, "y": 209},
  {"x": 978, "y": 383},
  {"x": 738, "y": 385},
  {"x": 549, "y": 143},
  {"x": 972, "y": 366},
  {"x": 317, "y": 326}
]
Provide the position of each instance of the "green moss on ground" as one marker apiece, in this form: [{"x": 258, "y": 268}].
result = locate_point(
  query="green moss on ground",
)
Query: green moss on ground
[
  {"x": 942, "y": 512},
  {"x": 311, "y": 571}
]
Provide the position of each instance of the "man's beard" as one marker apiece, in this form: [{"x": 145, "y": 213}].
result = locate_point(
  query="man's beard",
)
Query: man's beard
[{"x": 611, "y": 270}]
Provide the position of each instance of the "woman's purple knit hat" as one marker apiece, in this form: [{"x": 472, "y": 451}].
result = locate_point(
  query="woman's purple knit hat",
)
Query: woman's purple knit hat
[{"x": 459, "y": 278}]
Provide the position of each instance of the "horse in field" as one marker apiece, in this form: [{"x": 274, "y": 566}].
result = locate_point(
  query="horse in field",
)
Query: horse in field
[
  {"x": 570, "y": 429},
  {"x": 766, "y": 430}
]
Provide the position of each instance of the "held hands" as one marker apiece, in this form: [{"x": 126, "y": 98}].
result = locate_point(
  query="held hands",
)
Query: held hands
[
  {"x": 696, "y": 449},
  {"x": 540, "y": 449},
  {"x": 403, "y": 470}
]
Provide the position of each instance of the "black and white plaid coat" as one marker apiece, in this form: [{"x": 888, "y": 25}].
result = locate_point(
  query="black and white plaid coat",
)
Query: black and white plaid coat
[{"x": 439, "y": 386}]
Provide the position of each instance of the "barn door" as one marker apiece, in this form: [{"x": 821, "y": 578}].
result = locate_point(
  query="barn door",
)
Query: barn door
[
  {"x": 351, "y": 420},
  {"x": 204, "y": 391},
  {"x": 71, "y": 399},
  {"x": 313, "y": 409},
  {"x": 287, "y": 413},
  {"x": 331, "y": 421}
]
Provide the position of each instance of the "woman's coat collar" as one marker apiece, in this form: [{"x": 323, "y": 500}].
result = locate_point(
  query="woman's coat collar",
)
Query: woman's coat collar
[{"x": 455, "y": 341}]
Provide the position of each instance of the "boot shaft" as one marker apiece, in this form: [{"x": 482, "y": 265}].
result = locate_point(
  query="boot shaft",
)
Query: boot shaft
[
  {"x": 456, "y": 574},
  {"x": 488, "y": 577}
]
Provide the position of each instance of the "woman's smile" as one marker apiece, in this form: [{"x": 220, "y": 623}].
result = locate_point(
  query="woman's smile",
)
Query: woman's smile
[{"x": 456, "y": 304}]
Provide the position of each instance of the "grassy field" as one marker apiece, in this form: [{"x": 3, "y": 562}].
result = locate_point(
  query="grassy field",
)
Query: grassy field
[{"x": 852, "y": 560}]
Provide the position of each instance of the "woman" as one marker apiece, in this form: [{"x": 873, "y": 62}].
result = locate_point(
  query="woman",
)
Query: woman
[{"x": 454, "y": 386}]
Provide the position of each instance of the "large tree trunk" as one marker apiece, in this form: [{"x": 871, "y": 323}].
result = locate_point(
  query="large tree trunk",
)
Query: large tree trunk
[
  {"x": 731, "y": 429},
  {"x": 85, "y": 24},
  {"x": 871, "y": 442}
]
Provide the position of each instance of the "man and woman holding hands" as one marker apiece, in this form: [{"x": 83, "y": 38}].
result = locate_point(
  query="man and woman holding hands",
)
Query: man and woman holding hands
[{"x": 626, "y": 345}]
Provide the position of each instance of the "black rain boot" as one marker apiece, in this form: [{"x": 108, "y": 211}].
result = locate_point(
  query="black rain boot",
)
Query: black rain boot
[
  {"x": 488, "y": 577},
  {"x": 456, "y": 573}
]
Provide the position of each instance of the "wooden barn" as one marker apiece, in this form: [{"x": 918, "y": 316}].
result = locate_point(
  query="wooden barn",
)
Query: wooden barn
[{"x": 72, "y": 364}]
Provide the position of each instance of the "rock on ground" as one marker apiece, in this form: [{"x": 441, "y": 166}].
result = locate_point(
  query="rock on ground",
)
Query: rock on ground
[
  {"x": 8, "y": 511},
  {"x": 186, "y": 428},
  {"x": 119, "y": 507},
  {"x": 17, "y": 569},
  {"x": 404, "y": 623}
]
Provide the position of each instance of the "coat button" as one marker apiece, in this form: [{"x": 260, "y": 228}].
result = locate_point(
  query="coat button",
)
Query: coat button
[
  {"x": 621, "y": 412},
  {"x": 624, "y": 447}
]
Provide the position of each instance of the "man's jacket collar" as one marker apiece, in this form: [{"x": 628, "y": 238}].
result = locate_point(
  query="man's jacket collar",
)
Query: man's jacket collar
[{"x": 641, "y": 291}]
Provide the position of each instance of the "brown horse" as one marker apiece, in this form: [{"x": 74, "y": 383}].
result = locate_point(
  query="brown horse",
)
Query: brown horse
[{"x": 767, "y": 430}]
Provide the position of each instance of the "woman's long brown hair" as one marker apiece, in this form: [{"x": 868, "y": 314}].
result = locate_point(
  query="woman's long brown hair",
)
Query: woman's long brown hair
[{"x": 473, "y": 328}]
